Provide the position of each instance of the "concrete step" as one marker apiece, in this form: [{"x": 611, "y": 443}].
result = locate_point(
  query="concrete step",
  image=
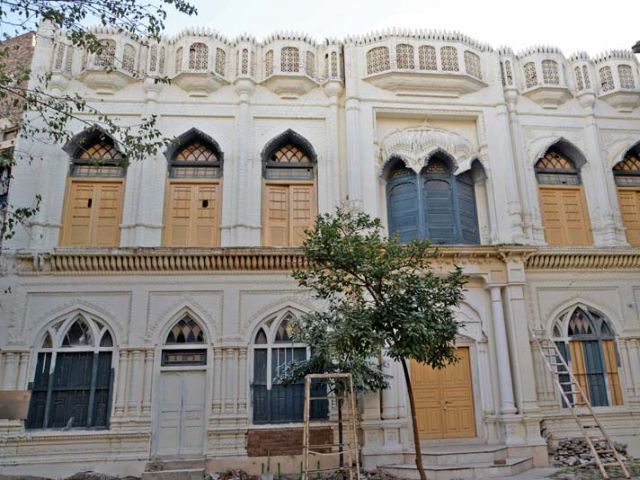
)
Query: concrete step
[
  {"x": 462, "y": 454},
  {"x": 511, "y": 466},
  {"x": 176, "y": 474}
]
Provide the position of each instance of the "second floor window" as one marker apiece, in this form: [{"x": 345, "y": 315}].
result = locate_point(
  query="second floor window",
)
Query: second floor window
[
  {"x": 194, "y": 196},
  {"x": 627, "y": 176},
  {"x": 95, "y": 192}
]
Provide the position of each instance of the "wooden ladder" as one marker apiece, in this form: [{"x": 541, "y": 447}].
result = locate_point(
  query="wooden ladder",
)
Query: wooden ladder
[
  {"x": 600, "y": 444},
  {"x": 349, "y": 446}
]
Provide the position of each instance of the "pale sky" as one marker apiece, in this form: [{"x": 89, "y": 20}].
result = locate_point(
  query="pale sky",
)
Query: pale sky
[{"x": 571, "y": 25}]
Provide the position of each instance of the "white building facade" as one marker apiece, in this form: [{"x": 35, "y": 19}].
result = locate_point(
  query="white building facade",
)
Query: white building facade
[{"x": 145, "y": 308}]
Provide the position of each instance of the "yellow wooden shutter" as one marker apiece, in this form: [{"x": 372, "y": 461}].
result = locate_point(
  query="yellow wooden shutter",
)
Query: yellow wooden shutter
[
  {"x": 578, "y": 368},
  {"x": 576, "y": 217},
  {"x": 108, "y": 213},
  {"x": 630, "y": 211},
  {"x": 77, "y": 217},
  {"x": 551, "y": 216},
  {"x": 205, "y": 226},
  {"x": 178, "y": 219},
  {"x": 302, "y": 212},
  {"x": 611, "y": 367},
  {"x": 565, "y": 216},
  {"x": 277, "y": 216}
]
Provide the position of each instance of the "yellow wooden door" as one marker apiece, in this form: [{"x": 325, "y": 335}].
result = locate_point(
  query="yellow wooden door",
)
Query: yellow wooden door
[
  {"x": 444, "y": 399},
  {"x": 611, "y": 367},
  {"x": 92, "y": 214},
  {"x": 579, "y": 369},
  {"x": 192, "y": 218},
  {"x": 289, "y": 210},
  {"x": 565, "y": 216},
  {"x": 630, "y": 210}
]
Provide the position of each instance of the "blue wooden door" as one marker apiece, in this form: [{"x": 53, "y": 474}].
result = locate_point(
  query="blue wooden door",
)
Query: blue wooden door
[
  {"x": 402, "y": 206},
  {"x": 439, "y": 209},
  {"x": 594, "y": 367}
]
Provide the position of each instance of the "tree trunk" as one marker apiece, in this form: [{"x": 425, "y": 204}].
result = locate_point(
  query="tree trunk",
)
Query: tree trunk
[{"x": 414, "y": 421}]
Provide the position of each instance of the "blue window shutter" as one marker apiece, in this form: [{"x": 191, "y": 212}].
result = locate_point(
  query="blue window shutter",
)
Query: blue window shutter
[
  {"x": 402, "y": 206},
  {"x": 469, "y": 231},
  {"x": 39, "y": 389},
  {"x": 564, "y": 379},
  {"x": 439, "y": 209},
  {"x": 259, "y": 387},
  {"x": 595, "y": 373}
]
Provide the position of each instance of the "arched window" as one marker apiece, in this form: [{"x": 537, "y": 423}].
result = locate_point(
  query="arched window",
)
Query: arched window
[
  {"x": 530, "y": 75},
  {"x": 128, "y": 58},
  {"x": 198, "y": 56},
  {"x": 185, "y": 344},
  {"x": 550, "y": 74},
  {"x": 289, "y": 190},
  {"x": 562, "y": 203},
  {"x": 625, "y": 72},
  {"x": 606, "y": 79},
  {"x": 436, "y": 204},
  {"x": 472, "y": 64},
  {"x": 579, "y": 81},
  {"x": 179, "y": 60},
  {"x": 449, "y": 59},
  {"x": 72, "y": 386},
  {"x": 221, "y": 61},
  {"x": 268, "y": 63},
  {"x": 93, "y": 203},
  {"x": 192, "y": 212},
  {"x": 427, "y": 57},
  {"x": 105, "y": 58},
  {"x": 586, "y": 341},
  {"x": 404, "y": 56},
  {"x": 378, "y": 60},
  {"x": 274, "y": 348},
  {"x": 290, "y": 59},
  {"x": 627, "y": 176}
]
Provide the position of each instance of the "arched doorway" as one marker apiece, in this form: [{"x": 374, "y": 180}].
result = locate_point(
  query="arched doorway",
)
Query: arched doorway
[{"x": 181, "y": 414}]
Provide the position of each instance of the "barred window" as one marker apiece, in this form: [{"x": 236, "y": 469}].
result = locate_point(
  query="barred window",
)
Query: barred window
[
  {"x": 606, "y": 79},
  {"x": 508, "y": 72},
  {"x": 98, "y": 157},
  {"x": 310, "y": 66},
  {"x": 106, "y": 56},
  {"x": 198, "y": 56},
  {"x": 625, "y": 72},
  {"x": 579, "y": 82},
  {"x": 530, "y": 75},
  {"x": 153, "y": 58},
  {"x": 557, "y": 169},
  {"x": 290, "y": 59},
  {"x": 179, "y": 60},
  {"x": 585, "y": 74},
  {"x": 196, "y": 159},
  {"x": 268, "y": 63},
  {"x": 221, "y": 61},
  {"x": 404, "y": 56},
  {"x": 427, "y": 57},
  {"x": 449, "y": 59},
  {"x": 334, "y": 65},
  {"x": 161, "y": 61},
  {"x": 550, "y": 74},
  {"x": 128, "y": 58},
  {"x": 378, "y": 60},
  {"x": 472, "y": 64},
  {"x": 245, "y": 62},
  {"x": 627, "y": 171}
]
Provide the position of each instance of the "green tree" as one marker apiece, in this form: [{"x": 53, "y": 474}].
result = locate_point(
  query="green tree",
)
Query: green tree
[
  {"x": 336, "y": 348},
  {"x": 383, "y": 295},
  {"x": 45, "y": 117}
]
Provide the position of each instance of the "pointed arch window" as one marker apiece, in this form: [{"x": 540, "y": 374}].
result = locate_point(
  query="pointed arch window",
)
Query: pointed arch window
[
  {"x": 562, "y": 202},
  {"x": 94, "y": 199},
  {"x": 289, "y": 190},
  {"x": 192, "y": 212},
  {"x": 586, "y": 341},
  {"x": 274, "y": 349},
  {"x": 627, "y": 177},
  {"x": 73, "y": 379},
  {"x": 436, "y": 204},
  {"x": 184, "y": 345}
]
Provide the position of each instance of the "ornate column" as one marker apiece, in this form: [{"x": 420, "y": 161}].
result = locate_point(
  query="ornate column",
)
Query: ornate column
[
  {"x": 230, "y": 362},
  {"x": 135, "y": 385},
  {"x": 148, "y": 377},
  {"x": 217, "y": 381},
  {"x": 329, "y": 181},
  {"x": 389, "y": 395},
  {"x": 507, "y": 404},
  {"x": 242, "y": 380},
  {"x": 10, "y": 371},
  {"x": 121, "y": 393},
  {"x": 22, "y": 371}
]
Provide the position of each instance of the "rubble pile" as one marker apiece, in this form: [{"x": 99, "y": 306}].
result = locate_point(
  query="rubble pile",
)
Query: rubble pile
[{"x": 574, "y": 452}]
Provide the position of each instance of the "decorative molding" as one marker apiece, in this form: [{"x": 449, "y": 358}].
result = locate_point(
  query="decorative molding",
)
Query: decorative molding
[
  {"x": 414, "y": 145},
  {"x": 588, "y": 259}
]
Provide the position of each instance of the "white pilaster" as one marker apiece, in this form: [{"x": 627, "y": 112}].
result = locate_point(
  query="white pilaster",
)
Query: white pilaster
[{"x": 507, "y": 404}]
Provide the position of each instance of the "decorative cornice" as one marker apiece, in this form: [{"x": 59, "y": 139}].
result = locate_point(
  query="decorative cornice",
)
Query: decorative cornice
[
  {"x": 584, "y": 259},
  {"x": 196, "y": 261}
]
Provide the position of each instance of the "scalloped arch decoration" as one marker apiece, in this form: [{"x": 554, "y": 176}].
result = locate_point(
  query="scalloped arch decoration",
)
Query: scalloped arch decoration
[{"x": 414, "y": 145}]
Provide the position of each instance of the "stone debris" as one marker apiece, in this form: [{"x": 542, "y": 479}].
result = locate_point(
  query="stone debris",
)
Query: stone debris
[{"x": 574, "y": 452}]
